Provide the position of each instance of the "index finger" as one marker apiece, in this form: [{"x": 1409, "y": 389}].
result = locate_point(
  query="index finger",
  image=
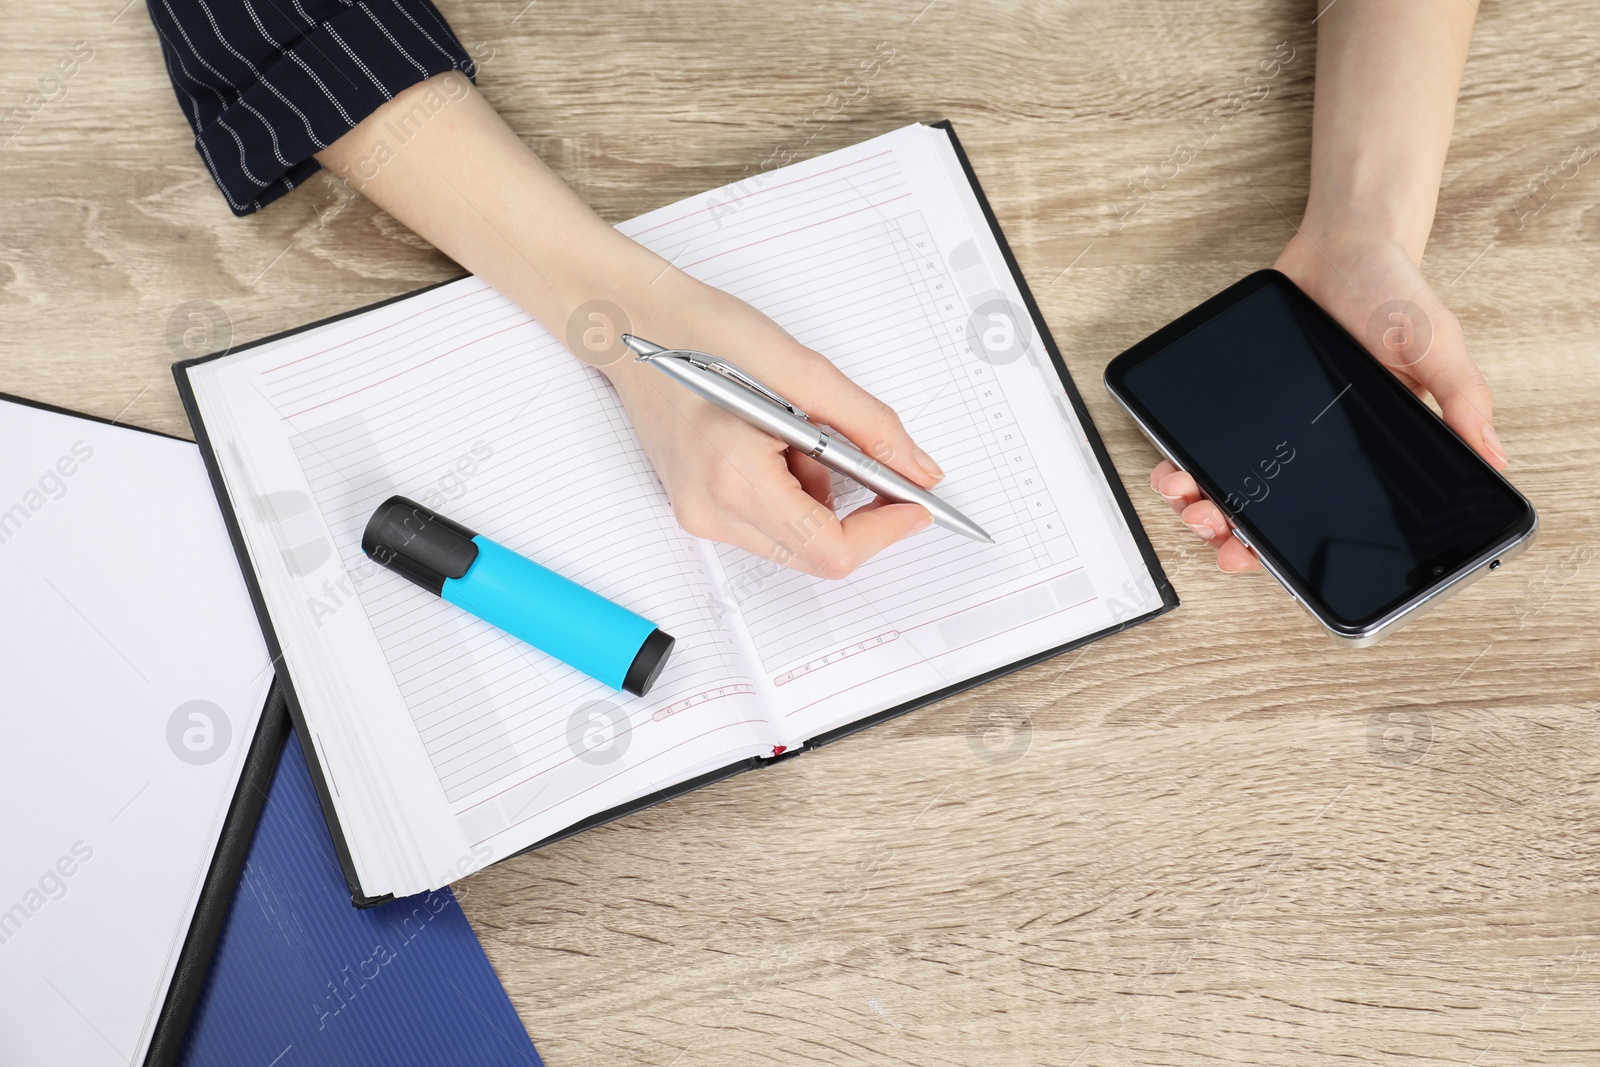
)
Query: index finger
[{"x": 831, "y": 397}]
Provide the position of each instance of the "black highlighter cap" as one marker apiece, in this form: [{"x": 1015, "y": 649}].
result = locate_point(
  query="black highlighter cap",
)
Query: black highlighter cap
[
  {"x": 648, "y": 663},
  {"x": 427, "y": 548}
]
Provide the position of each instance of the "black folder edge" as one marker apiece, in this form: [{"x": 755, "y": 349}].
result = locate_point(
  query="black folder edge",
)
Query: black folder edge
[
  {"x": 233, "y": 844},
  {"x": 216, "y": 893},
  {"x": 1169, "y": 596}
]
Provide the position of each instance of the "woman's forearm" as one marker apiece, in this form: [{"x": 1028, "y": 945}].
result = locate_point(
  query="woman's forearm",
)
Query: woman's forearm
[
  {"x": 1387, "y": 76},
  {"x": 441, "y": 160}
]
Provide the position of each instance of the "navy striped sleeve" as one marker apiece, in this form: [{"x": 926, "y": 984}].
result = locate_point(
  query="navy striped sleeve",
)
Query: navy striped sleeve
[{"x": 267, "y": 83}]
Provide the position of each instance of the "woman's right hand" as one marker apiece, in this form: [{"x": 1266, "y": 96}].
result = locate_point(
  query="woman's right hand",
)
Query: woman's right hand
[{"x": 730, "y": 482}]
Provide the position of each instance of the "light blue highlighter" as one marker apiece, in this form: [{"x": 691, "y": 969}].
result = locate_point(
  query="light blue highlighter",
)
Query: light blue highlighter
[{"x": 557, "y": 616}]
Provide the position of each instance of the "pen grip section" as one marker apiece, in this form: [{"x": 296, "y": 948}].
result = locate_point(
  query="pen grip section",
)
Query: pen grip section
[{"x": 843, "y": 456}]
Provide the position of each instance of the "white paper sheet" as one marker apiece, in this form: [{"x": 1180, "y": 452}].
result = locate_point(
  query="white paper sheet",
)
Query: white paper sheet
[{"x": 134, "y": 677}]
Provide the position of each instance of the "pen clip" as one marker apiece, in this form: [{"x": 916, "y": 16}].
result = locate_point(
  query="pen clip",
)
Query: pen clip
[
  {"x": 646, "y": 351},
  {"x": 749, "y": 381}
]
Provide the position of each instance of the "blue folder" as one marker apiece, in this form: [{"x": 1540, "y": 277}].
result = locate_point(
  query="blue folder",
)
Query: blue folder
[{"x": 302, "y": 978}]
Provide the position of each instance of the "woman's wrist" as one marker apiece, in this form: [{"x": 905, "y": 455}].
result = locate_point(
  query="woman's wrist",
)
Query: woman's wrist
[
  {"x": 1398, "y": 212},
  {"x": 608, "y": 285}
]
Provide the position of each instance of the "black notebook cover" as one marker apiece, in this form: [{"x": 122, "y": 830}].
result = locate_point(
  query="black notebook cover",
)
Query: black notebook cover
[
  {"x": 238, "y": 828},
  {"x": 1169, "y": 597}
]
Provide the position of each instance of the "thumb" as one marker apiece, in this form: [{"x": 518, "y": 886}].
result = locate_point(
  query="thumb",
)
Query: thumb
[
  {"x": 874, "y": 527},
  {"x": 1425, "y": 342},
  {"x": 871, "y": 424}
]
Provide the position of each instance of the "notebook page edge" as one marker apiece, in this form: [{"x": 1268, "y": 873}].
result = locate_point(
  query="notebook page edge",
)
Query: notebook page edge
[
  {"x": 1143, "y": 598},
  {"x": 371, "y": 874}
]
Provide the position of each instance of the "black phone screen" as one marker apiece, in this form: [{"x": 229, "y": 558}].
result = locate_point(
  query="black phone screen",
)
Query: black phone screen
[{"x": 1315, "y": 450}]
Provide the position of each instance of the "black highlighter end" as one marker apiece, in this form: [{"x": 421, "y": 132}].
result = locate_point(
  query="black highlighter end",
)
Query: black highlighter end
[
  {"x": 417, "y": 543},
  {"x": 648, "y": 663}
]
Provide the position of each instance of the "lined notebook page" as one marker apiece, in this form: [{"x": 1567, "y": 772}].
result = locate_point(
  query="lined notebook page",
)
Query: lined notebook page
[
  {"x": 878, "y": 257},
  {"x": 457, "y": 399}
]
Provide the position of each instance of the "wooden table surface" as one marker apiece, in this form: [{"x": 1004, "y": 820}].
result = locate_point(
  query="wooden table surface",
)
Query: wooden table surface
[{"x": 1215, "y": 839}]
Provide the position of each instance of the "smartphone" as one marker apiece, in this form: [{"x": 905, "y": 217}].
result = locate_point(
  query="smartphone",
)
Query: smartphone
[{"x": 1350, "y": 490}]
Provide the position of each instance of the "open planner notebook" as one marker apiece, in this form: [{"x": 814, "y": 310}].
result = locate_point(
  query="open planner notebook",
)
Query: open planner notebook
[{"x": 444, "y": 744}]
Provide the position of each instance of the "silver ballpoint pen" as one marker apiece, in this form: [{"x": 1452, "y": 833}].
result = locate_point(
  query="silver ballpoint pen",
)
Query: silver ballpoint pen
[{"x": 736, "y": 392}]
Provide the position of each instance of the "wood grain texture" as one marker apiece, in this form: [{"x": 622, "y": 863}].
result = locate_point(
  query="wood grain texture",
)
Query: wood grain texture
[{"x": 1215, "y": 839}]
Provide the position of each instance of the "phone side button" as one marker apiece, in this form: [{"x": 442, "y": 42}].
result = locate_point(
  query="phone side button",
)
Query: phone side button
[{"x": 1243, "y": 540}]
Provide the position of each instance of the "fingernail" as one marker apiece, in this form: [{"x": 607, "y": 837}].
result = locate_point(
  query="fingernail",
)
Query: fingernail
[
  {"x": 923, "y": 523},
  {"x": 1204, "y": 532},
  {"x": 1491, "y": 441},
  {"x": 929, "y": 467}
]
